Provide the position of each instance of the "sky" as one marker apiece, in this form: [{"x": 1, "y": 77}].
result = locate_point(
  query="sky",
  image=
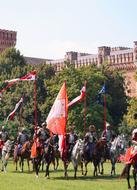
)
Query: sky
[{"x": 50, "y": 28}]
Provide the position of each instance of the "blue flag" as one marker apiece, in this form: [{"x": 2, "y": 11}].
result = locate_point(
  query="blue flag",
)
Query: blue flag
[
  {"x": 99, "y": 98},
  {"x": 103, "y": 90}
]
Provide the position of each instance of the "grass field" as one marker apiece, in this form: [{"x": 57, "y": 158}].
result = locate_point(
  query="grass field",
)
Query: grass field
[{"x": 13, "y": 180}]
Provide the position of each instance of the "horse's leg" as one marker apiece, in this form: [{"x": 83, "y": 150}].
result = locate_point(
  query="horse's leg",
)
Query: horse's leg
[
  {"x": 16, "y": 164},
  {"x": 54, "y": 164},
  {"x": 102, "y": 167},
  {"x": 36, "y": 167},
  {"x": 47, "y": 170},
  {"x": 5, "y": 165},
  {"x": 75, "y": 165},
  {"x": 81, "y": 164},
  {"x": 28, "y": 164},
  {"x": 2, "y": 163},
  {"x": 43, "y": 162},
  {"x": 135, "y": 180},
  {"x": 113, "y": 165},
  {"x": 86, "y": 170},
  {"x": 65, "y": 169},
  {"x": 95, "y": 173},
  {"x": 22, "y": 164},
  {"x": 128, "y": 175},
  {"x": 57, "y": 163}
]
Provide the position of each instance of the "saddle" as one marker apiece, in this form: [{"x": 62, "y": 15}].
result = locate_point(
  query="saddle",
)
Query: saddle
[{"x": 24, "y": 148}]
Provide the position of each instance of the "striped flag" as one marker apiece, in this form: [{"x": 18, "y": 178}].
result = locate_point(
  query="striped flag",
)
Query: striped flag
[
  {"x": 78, "y": 98},
  {"x": 12, "y": 114},
  {"x": 30, "y": 76}
]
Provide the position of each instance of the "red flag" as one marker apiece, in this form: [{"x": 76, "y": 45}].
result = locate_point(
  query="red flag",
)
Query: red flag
[
  {"x": 28, "y": 77},
  {"x": 78, "y": 98},
  {"x": 56, "y": 120},
  {"x": 11, "y": 115}
]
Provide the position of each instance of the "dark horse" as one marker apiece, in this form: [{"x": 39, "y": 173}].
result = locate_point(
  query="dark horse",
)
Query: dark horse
[
  {"x": 44, "y": 152},
  {"x": 94, "y": 156},
  {"x": 20, "y": 155},
  {"x": 126, "y": 171}
]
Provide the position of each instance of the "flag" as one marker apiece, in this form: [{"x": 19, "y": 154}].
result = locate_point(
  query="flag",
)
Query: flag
[
  {"x": 103, "y": 90},
  {"x": 30, "y": 76},
  {"x": 99, "y": 97},
  {"x": 56, "y": 120},
  {"x": 78, "y": 98},
  {"x": 11, "y": 115}
]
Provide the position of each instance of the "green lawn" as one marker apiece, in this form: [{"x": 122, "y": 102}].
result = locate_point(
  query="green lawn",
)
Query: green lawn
[{"x": 13, "y": 180}]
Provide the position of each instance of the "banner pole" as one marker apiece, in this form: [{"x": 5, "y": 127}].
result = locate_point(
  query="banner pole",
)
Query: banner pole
[
  {"x": 105, "y": 113},
  {"x": 35, "y": 108},
  {"x": 85, "y": 108}
]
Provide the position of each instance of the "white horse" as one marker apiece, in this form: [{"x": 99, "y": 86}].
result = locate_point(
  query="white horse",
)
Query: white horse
[
  {"x": 76, "y": 156},
  {"x": 6, "y": 153},
  {"x": 118, "y": 146}
]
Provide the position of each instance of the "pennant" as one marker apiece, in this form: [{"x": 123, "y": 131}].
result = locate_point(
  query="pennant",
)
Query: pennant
[
  {"x": 30, "y": 76},
  {"x": 56, "y": 120},
  {"x": 103, "y": 90},
  {"x": 12, "y": 114},
  {"x": 78, "y": 98},
  {"x": 99, "y": 97}
]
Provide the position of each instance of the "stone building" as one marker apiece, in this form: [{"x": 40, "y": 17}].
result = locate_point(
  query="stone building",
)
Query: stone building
[
  {"x": 119, "y": 58},
  {"x": 7, "y": 39}
]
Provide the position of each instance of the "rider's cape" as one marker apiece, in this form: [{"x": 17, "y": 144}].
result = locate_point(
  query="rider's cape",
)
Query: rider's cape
[
  {"x": 131, "y": 155},
  {"x": 33, "y": 150}
]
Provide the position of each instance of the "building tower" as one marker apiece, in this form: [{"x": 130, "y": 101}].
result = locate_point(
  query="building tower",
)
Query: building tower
[{"x": 7, "y": 39}]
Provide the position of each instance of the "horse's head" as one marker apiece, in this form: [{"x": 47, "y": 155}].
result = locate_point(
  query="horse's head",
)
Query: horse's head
[
  {"x": 78, "y": 148},
  {"x": 119, "y": 144},
  {"x": 122, "y": 143}
]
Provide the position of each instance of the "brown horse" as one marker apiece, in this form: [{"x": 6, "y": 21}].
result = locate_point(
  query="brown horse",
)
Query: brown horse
[
  {"x": 95, "y": 157},
  {"x": 20, "y": 155},
  {"x": 126, "y": 172}
]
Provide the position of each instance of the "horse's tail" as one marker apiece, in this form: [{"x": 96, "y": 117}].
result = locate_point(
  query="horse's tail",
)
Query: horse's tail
[{"x": 124, "y": 171}]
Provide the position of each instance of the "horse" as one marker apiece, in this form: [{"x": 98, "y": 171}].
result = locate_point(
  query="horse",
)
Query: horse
[
  {"x": 45, "y": 154},
  {"x": 6, "y": 153},
  {"x": 131, "y": 160},
  {"x": 94, "y": 156},
  {"x": 20, "y": 155},
  {"x": 76, "y": 156},
  {"x": 66, "y": 154},
  {"x": 49, "y": 154},
  {"x": 112, "y": 153},
  {"x": 117, "y": 148},
  {"x": 55, "y": 162}
]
